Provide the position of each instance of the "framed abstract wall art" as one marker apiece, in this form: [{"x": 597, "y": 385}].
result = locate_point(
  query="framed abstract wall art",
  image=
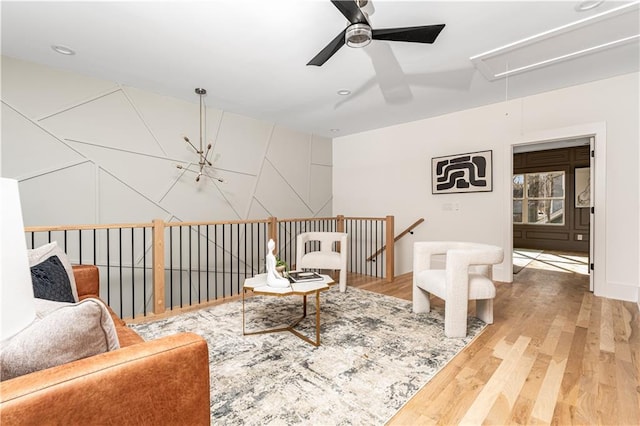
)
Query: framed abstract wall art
[{"x": 471, "y": 172}]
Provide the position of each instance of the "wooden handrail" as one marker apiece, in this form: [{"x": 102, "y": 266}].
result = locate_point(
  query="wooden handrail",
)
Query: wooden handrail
[
  {"x": 60, "y": 228},
  {"x": 400, "y": 235},
  {"x": 302, "y": 219},
  {"x": 89, "y": 227},
  {"x": 222, "y": 222}
]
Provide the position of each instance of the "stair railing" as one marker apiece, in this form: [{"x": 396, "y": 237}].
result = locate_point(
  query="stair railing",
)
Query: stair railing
[{"x": 409, "y": 230}]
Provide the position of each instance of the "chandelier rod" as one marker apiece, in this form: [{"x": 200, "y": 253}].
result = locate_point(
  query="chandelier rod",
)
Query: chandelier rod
[
  {"x": 203, "y": 161},
  {"x": 201, "y": 92}
]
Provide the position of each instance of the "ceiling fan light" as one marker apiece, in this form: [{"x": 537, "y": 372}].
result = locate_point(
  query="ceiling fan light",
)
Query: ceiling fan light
[
  {"x": 358, "y": 35},
  {"x": 588, "y": 5},
  {"x": 63, "y": 50}
]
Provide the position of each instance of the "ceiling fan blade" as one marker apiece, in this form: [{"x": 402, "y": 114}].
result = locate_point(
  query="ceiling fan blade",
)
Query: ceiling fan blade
[
  {"x": 329, "y": 50},
  {"x": 351, "y": 11},
  {"x": 424, "y": 34}
]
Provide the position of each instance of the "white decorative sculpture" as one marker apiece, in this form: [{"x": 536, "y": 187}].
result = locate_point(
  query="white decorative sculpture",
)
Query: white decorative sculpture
[{"x": 273, "y": 278}]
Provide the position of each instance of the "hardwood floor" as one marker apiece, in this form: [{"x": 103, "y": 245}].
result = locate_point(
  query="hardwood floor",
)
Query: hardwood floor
[{"x": 556, "y": 354}]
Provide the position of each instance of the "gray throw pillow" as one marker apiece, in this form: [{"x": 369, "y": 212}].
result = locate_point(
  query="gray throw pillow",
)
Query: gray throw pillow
[{"x": 58, "y": 335}]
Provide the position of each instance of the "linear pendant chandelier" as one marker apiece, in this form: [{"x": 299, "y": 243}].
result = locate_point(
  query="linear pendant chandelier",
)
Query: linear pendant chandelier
[{"x": 203, "y": 160}]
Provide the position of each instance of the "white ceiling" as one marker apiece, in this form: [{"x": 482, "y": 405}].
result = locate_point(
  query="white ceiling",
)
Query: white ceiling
[{"x": 250, "y": 55}]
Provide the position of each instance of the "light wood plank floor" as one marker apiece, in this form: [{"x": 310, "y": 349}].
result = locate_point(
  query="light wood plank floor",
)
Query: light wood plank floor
[{"x": 556, "y": 354}]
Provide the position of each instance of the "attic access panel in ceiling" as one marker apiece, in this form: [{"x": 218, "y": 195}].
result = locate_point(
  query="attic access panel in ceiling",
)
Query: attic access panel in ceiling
[{"x": 606, "y": 30}]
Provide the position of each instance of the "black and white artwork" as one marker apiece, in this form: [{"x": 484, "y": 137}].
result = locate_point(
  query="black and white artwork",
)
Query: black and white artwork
[
  {"x": 470, "y": 172},
  {"x": 582, "y": 187}
]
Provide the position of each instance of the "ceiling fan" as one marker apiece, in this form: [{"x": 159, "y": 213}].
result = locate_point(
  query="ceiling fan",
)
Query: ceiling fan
[{"x": 359, "y": 33}]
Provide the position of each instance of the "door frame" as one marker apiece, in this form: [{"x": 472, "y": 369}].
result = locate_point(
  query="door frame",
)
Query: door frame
[{"x": 597, "y": 256}]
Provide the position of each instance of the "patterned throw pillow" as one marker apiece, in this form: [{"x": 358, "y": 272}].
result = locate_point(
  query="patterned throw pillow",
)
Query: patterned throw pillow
[
  {"x": 50, "y": 281},
  {"x": 42, "y": 253}
]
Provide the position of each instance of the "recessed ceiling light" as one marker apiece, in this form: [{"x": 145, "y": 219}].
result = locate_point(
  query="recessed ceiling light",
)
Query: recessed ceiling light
[
  {"x": 588, "y": 5},
  {"x": 335, "y": 130},
  {"x": 344, "y": 92},
  {"x": 63, "y": 50}
]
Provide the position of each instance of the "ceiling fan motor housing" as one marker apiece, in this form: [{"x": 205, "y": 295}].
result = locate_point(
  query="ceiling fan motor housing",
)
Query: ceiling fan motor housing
[{"x": 358, "y": 35}]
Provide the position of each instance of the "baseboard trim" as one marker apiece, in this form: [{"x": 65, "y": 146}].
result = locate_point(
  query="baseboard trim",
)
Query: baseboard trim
[{"x": 619, "y": 291}]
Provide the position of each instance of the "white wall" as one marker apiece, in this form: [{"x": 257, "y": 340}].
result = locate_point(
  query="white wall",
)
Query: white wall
[
  {"x": 387, "y": 171},
  {"x": 92, "y": 151}
]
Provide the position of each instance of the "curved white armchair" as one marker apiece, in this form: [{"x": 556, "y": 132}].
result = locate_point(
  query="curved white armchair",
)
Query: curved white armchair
[
  {"x": 325, "y": 258},
  {"x": 467, "y": 276}
]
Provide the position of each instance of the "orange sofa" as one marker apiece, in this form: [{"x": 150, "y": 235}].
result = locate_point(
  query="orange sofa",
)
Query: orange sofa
[{"x": 163, "y": 381}]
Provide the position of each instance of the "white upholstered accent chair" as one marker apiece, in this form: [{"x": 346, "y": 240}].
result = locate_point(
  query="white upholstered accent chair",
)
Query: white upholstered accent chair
[
  {"x": 326, "y": 257},
  {"x": 467, "y": 276}
]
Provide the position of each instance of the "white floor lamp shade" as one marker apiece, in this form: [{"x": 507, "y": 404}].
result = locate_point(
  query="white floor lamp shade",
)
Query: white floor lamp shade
[{"x": 16, "y": 290}]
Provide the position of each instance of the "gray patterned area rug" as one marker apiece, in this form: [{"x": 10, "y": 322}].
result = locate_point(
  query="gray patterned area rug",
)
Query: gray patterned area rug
[{"x": 375, "y": 354}]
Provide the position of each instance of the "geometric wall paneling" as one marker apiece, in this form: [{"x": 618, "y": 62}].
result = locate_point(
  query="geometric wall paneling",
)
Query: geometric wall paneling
[
  {"x": 240, "y": 144},
  {"x": 276, "y": 195},
  {"x": 107, "y": 154},
  {"x": 290, "y": 153},
  {"x": 320, "y": 188},
  {"x": 119, "y": 203},
  {"x": 171, "y": 119},
  {"x": 237, "y": 190},
  {"x": 321, "y": 150},
  {"x": 192, "y": 201},
  {"x": 110, "y": 121},
  {"x": 38, "y": 91},
  {"x": 62, "y": 197},
  {"x": 148, "y": 175},
  {"x": 325, "y": 211},
  {"x": 39, "y": 149},
  {"x": 257, "y": 210}
]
